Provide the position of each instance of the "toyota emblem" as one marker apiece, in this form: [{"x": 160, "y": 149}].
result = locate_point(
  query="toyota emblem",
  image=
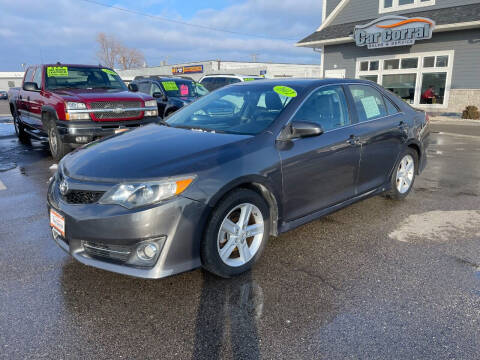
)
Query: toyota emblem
[{"x": 63, "y": 187}]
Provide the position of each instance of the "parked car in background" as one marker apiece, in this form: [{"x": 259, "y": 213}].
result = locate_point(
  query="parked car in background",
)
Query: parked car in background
[
  {"x": 70, "y": 105},
  {"x": 3, "y": 95},
  {"x": 216, "y": 81},
  {"x": 208, "y": 187},
  {"x": 171, "y": 93}
]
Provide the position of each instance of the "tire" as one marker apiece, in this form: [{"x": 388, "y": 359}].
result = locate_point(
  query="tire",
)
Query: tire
[
  {"x": 403, "y": 177},
  {"x": 235, "y": 242},
  {"x": 19, "y": 128},
  {"x": 58, "y": 148}
]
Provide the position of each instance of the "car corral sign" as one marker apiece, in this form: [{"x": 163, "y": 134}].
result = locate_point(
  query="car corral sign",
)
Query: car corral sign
[
  {"x": 191, "y": 69},
  {"x": 390, "y": 31}
]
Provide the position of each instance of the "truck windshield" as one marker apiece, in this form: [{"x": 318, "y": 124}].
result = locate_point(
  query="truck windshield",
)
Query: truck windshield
[{"x": 58, "y": 77}]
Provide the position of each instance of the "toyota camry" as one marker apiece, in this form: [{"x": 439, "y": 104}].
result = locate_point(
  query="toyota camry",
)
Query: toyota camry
[{"x": 210, "y": 184}]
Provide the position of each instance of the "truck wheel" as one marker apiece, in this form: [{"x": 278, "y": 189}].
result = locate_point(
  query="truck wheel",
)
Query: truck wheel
[
  {"x": 19, "y": 129},
  {"x": 236, "y": 234},
  {"x": 58, "y": 148}
]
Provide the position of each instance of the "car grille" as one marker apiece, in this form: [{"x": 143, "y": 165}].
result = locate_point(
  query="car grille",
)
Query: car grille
[
  {"x": 115, "y": 253},
  {"x": 82, "y": 197},
  {"x": 115, "y": 105}
]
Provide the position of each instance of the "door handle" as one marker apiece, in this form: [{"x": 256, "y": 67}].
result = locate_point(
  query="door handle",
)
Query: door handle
[{"x": 353, "y": 140}]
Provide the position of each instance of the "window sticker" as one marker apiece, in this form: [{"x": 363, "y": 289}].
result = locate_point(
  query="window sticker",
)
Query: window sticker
[
  {"x": 285, "y": 91},
  {"x": 371, "y": 107},
  {"x": 184, "y": 90},
  {"x": 170, "y": 85},
  {"x": 248, "y": 79},
  {"x": 57, "y": 71},
  {"x": 108, "y": 71}
]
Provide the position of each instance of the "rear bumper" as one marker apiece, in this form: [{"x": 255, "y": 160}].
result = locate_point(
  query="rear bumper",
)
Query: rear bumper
[{"x": 71, "y": 131}]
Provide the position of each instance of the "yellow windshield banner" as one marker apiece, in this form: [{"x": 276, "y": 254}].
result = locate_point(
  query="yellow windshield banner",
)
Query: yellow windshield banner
[
  {"x": 170, "y": 85},
  {"x": 285, "y": 91},
  {"x": 57, "y": 71},
  {"x": 248, "y": 79},
  {"x": 108, "y": 71}
]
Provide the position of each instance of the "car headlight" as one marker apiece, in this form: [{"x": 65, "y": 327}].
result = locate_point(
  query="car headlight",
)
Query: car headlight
[
  {"x": 151, "y": 104},
  {"x": 133, "y": 195},
  {"x": 71, "y": 115}
]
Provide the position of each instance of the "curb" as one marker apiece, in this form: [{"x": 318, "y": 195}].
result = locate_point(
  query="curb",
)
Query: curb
[{"x": 455, "y": 120}]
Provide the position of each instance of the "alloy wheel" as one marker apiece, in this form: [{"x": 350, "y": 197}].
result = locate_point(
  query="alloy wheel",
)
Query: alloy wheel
[
  {"x": 405, "y": 174},
  {"x": 240, "y": 235},
  {"x": 52, "y": 139}
]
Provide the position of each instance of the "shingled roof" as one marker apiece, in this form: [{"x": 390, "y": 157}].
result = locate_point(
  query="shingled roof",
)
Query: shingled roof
[{"x": 450, "y": 15}]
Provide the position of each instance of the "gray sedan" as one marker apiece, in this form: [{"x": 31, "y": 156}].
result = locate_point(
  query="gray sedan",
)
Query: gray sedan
[{"x": 209, "y": 185}]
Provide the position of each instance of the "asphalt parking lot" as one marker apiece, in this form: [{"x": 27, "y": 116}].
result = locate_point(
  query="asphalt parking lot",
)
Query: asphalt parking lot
[{"x": 377, "y": 280}]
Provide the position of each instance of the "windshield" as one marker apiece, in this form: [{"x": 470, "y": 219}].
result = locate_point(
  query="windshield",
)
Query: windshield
[
  {"x": 179, "y": 88},
  {"x": 59, "y": 77},
  {"x": 235, "y": 109}
]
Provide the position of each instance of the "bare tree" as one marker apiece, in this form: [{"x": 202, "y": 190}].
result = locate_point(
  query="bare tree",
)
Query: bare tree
[
  {"x": 108, "y": 52},
  {"x": 112, "y": 52}
]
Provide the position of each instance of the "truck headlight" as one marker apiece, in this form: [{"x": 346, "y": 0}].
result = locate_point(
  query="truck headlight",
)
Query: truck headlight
[
  {"x": 131, "y": 195},
  {"x": 71, "y": 106},
  {"x": 151, "y": 104}
]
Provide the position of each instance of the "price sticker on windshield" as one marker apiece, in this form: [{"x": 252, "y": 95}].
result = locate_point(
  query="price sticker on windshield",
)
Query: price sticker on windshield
[
  {"x": 170, "y": 85},
  {"x": 57, "y": 71},
  {"x": 108, "y": 71},
  {"x": 285, "y": 91},
  {"x": 248, "y": 79}
]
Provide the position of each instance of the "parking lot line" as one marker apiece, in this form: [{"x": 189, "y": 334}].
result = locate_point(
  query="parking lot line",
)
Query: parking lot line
[{"x": 2, "y": 186}]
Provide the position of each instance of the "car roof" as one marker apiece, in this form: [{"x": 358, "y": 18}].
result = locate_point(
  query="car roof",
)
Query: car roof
[
  {"x": 232, "y": 75},
  {"x": 161, "y": 78},
  {"x": 303, "y": 82}
]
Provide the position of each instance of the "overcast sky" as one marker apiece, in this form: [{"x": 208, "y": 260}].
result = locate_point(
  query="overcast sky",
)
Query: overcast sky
[{"x": 41, "y": 31}]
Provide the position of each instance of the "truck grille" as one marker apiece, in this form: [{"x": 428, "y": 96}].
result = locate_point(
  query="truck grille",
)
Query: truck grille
[
  {"x": 115, "y": 253},
  {"x": 100, "y": 105},
  {"x": 83, "y": 197}
]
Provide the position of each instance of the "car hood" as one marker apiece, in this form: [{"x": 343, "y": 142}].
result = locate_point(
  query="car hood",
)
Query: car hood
[
  {"x": 88, "y": 95},
  {"x": 151, "y": 152}
]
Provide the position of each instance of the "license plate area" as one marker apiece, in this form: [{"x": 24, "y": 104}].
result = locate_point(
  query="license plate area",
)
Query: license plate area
[{"x": 57, "y": 223}]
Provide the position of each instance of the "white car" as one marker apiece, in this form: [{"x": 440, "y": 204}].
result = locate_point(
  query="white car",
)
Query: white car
[{"x": 216, "y": 81}]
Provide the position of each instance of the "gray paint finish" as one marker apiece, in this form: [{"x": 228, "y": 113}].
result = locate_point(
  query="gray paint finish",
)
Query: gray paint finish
[
  {"x": 357, "y": 10},
  {"x": 331, "y": 5},
  {"x": 466, "y": 44}
]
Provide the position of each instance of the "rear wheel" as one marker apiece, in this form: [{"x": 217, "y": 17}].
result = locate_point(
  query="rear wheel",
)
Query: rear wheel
[
  {"x": 58, "y": 148},
  {"x": 403, "y": 176},
  {"x": 236, "y": 234},
  {"x": 19, "y": 128}
]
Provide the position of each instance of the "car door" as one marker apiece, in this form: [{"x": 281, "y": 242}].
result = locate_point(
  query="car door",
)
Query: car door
[
  {"x": 35, "y": 100},
  {"x": 161, "y": 101},
  {"x": 381, "y": 131},
  {"x": 23, "y": 107},
  {"x": 320, "y": 171}
]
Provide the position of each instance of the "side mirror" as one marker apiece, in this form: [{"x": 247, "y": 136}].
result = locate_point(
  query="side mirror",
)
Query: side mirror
[
  {"x": 133, "y": 87},
  {"x": 30, "y": 86},
  {"x": 302, "y": 129},
  {"x": 159, "y": 95}
]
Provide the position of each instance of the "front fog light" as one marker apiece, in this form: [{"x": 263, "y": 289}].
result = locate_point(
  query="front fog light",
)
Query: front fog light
[{"x": 147, "y": 252}]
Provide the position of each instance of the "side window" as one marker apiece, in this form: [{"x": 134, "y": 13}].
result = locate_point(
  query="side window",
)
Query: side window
[
  {"x": 155, "y": 89},
  {"x": 327, "y": 107},
  {"x": 208, "y": 83},
  {"x": 368, "y": 103},
  {"x": 232, "y": 81},
  {"x": 38, "y": 77},
  {"x": 29, "y": 74},
  {"x": 391, "y": 108},
  {"x": 144, "y": 87}
]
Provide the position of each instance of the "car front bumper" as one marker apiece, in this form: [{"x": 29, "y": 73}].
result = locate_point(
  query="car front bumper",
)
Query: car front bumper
[
  {"x": 175, "y": 225},
  {"x": 81, "y": 132}
]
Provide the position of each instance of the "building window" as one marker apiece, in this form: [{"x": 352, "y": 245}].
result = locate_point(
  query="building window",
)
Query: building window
[
  {"x": 397, "y": 5},
  {"x": 421, "y": 80}
]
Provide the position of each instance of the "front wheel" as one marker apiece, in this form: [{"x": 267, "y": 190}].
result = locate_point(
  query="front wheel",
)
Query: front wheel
[
  {"x": 58, "y": 148},
  {"x": 236, "y": 234},
  {"x": 403, "y": 176}
]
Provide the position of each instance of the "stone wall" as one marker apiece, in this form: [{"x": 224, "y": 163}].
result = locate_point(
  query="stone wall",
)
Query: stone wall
[{"x": 461, "y": 98}]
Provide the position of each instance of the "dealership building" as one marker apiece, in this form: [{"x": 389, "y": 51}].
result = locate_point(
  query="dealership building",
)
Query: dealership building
[{"x": 425, "y": 51}]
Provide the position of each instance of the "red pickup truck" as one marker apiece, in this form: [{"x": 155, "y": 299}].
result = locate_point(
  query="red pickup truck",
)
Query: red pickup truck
[{"x": 72, "y": 105}]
